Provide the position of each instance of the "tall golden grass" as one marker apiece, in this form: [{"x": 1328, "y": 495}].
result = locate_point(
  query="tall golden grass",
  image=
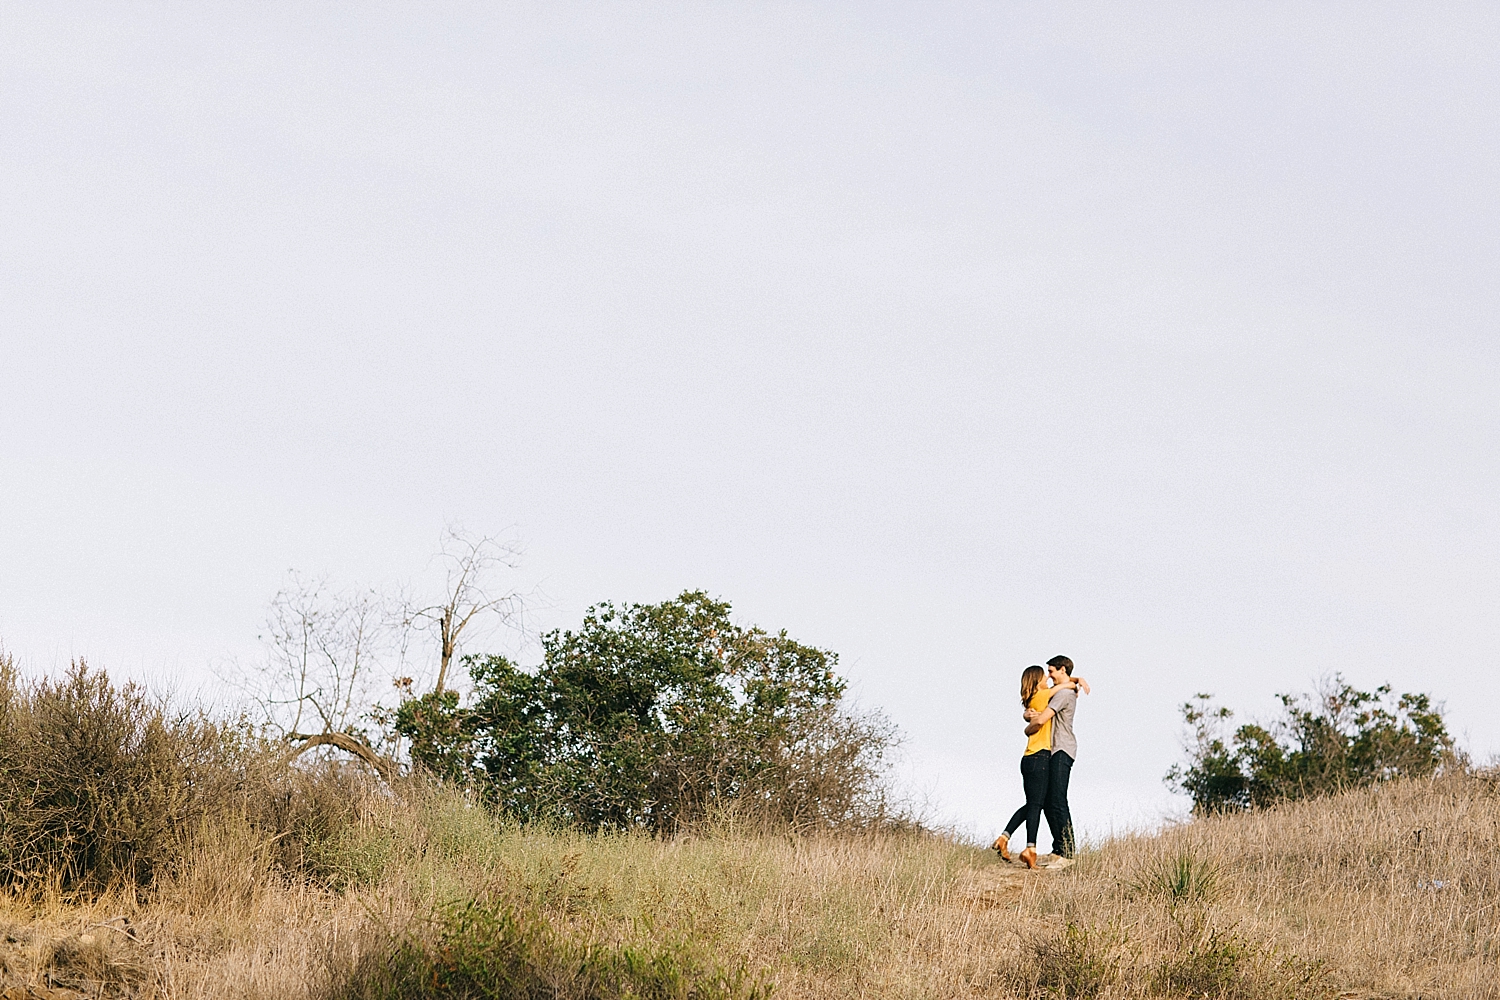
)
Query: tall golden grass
[
  {"x": 1392, "y": 889},
  {"x": 1337, "y": 896}
]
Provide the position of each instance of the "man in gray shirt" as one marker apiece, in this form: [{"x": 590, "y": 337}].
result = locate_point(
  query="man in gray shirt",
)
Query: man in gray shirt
[{"x": 1064, "y": 751}]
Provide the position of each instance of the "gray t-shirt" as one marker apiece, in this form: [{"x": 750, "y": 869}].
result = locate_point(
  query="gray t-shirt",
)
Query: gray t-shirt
[{"x": 1062, "y": 704}]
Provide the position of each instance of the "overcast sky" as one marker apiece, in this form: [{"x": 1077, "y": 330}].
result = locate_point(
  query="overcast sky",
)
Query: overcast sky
[{"x": 945, "y": 336}]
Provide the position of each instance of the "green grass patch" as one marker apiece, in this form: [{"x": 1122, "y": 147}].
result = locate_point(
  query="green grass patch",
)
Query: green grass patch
[{"x": 474, "y": 951}]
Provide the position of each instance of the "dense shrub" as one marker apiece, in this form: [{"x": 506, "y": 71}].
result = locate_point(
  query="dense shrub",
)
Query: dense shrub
[
  {"x": 658, "y": 715},
  {"x": 104, "y": 787},
  {"x": 1341, "y": 738},
  {"x": 93, "y": 789}
]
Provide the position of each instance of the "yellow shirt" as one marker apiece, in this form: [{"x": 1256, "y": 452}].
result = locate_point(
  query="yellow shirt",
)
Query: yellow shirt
[{"x": 1042, "y": 738}]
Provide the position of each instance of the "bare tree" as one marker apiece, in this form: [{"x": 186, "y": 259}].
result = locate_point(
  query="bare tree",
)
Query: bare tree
[
  {"x": 326, "y": 649},
  {"x": 469, "y": 597}
]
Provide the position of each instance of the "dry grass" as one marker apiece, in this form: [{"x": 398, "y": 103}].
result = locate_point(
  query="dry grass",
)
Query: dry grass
[
  {"x": 1347, "y": 882},
  {"x": 1309, "y": 900}
]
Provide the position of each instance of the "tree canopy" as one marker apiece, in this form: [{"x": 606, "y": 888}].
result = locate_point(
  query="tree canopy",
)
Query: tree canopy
[{"x": 656, "y": 715}]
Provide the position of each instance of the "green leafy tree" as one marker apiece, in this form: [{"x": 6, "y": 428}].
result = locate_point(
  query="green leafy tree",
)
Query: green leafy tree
[
  {"x": 656, "y": 715},
  {"x": 1339, "y": 738}
]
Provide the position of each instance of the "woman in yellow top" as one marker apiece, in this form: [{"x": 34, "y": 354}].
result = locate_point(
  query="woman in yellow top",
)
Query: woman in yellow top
[{"x": 1034, "y": 763}]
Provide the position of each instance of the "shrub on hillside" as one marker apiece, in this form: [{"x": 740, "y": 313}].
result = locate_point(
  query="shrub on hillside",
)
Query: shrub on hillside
[
  {"x": 93, "y": 790},
  {"x": 103, "y": 787},
  {"x": 1341, "y": 738},
  {"x": 655, "y": 716}
]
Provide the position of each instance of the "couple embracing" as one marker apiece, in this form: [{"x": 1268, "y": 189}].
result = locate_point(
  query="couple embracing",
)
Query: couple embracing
[{"x": 1049, "y": 697}]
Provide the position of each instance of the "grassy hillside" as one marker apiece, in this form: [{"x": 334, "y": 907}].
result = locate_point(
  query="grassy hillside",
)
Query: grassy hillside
[{"x": 419, "y": 894}]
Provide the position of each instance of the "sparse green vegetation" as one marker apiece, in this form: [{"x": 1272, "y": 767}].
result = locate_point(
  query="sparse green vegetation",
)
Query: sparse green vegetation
[
  {"x": 1081, "y": 963},
  {"x": 1207, "y": 964},
  {"x": 475, "y": 952},
  {"x": 1206, "y": 961},
  {"x": 1179, "y": 878}
]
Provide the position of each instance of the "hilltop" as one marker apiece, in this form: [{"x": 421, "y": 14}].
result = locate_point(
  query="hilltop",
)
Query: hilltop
[{"x": 1388, "y": 891}]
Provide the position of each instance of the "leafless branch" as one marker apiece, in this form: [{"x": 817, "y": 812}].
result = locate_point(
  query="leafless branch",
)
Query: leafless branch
[
  {"x": 324, "y": 650},
  {"x": 470, "y": 561}
]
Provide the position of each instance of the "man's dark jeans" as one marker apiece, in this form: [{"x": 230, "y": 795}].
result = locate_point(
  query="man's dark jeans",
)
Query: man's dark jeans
[
  {"x": 1059, "y": 817},
  {"x": 1034, "y": 768}
]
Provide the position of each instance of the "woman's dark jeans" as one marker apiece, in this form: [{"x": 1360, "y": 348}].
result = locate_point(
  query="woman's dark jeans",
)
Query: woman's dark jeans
[{"x": 1034, "y": 771}]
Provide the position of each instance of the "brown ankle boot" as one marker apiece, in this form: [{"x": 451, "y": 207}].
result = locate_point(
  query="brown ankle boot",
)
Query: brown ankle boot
[
  {"x": 1001, "y": 846},
  {"x": 1029, "y": 856}
]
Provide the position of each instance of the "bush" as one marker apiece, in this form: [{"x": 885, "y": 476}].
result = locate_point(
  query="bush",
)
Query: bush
[
  {"x": 656, "y": 716},
  {"x": 92, "y": 789},
  {"x": 1342, "y": 738},
  {"x": 102, "y": 787},
  {"x": 480, "y": 952}
]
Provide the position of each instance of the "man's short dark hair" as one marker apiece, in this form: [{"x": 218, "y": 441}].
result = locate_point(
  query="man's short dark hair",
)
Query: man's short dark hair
[{"x": 1062, "y": 663}]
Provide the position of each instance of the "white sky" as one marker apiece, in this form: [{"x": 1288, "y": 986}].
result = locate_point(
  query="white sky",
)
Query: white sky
[{"x": 946, "y": 336}]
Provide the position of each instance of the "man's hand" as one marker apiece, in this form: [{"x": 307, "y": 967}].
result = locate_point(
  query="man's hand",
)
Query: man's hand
[
  {"x": 1030, "y": 714},
  {"x": 1036, "y": 720}
]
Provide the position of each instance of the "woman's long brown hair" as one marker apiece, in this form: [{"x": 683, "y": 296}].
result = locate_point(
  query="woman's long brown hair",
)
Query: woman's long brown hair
[{"x": 1031, "y": 679}]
